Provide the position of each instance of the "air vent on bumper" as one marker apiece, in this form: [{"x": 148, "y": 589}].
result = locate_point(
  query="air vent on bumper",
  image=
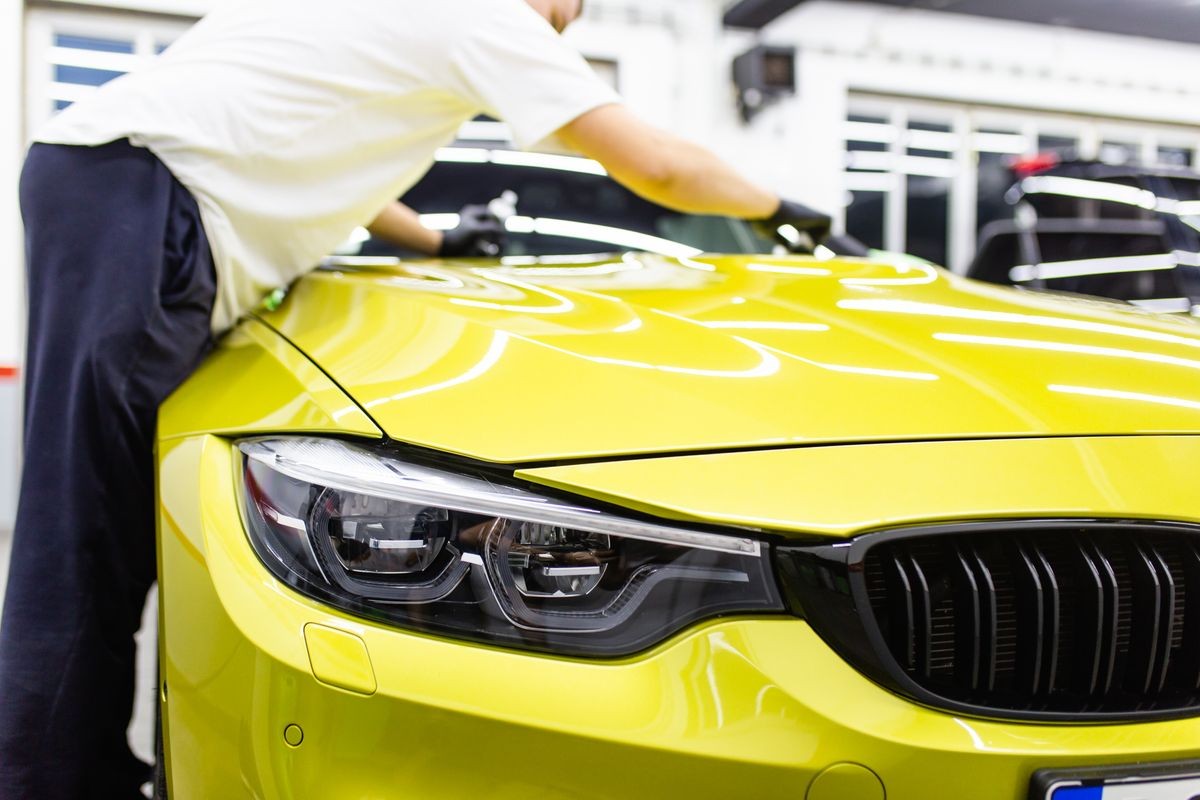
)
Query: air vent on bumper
[{"x": 1035, "y": 620}]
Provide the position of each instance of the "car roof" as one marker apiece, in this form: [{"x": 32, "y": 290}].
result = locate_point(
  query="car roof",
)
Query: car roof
[{"x": 1099, "y": 170}]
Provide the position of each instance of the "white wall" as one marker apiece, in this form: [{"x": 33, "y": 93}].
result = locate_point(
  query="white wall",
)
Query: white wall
[
  {"x": 676, "y": 61},
  {"x": 11, "y": 150},
  {"x": 12, "y": 290},
  {"x": 850, "y": 47},
  {"x": 191, "y": 8},
  {"x": 638, "y": 52},
  {"x": 956, "y": 57}
]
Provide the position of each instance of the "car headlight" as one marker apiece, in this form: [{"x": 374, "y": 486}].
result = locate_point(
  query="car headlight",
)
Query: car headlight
[{"x": 460, "y": 554}]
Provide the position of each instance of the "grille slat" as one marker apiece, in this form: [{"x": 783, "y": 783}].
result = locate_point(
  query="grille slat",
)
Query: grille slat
[
  {"x": 1083, "y": 619},
  {"x": 975, "y": 606},
  {"x": 921, "y": 606},
  {"x": 1052, "y": 628},
  {"x": 1090, "y": 611},
  {"x": 1147, "y": 650},
  {"x": 990, "y": 616},
  {"x": 1032, "y": 615},
  {"x": 903, "y": 626},
  {"x": 1166, "y": 617},
  {"x": 1188, "y": 665},
  {"x": 1109, "y": 618}
]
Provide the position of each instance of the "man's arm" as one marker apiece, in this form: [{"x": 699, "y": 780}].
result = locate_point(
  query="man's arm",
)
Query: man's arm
[
  {"x": 479, "y": 232},
  {"x": 402, "y": 226},
  {"x": 665, "y": 168}
]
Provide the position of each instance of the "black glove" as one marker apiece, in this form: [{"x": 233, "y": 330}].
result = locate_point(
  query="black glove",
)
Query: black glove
[
  {"x": 808, "y": 228},
  {"x": 480, "y": 233}
]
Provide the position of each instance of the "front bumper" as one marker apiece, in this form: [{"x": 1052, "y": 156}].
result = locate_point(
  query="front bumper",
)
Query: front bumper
[{"x": 734, "y": 708}]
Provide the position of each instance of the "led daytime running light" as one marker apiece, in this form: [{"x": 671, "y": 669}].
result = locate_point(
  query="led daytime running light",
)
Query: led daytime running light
[{"x": 338, "y": 465}]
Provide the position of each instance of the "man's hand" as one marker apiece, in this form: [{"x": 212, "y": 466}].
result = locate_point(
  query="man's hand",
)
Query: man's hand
[
  {"x": 794, "y": 223},
  {"x": 479, "y": 233}
]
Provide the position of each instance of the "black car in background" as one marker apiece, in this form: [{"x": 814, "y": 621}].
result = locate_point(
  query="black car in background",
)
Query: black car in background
[{"x": 1124, "y": 232}]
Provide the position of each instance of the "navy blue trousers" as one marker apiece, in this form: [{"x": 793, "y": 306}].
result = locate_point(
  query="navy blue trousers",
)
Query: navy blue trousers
[{"x": 121, "y": 288}]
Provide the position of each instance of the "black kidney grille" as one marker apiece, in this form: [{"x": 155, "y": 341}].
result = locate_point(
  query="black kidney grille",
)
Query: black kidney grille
[{"x": 1103, "y": 620}]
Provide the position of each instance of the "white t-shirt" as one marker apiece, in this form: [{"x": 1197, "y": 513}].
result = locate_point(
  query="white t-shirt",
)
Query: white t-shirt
[{"x": 295, "y": 121}]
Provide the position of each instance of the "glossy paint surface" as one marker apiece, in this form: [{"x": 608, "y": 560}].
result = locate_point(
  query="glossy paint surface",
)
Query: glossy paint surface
[
  {"x": 255, "y": 382},
  {"x": 734, "y": 708},
  {"x": 526, "y": 362},
  {"x": 842, "y": 491}
]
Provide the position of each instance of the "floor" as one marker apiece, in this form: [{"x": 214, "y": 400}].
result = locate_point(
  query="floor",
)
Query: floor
[{"x": 141, "y": 729}]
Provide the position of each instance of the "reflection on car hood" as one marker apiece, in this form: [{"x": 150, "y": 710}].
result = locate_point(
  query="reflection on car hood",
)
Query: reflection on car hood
[{"x": 544, "y": 360}]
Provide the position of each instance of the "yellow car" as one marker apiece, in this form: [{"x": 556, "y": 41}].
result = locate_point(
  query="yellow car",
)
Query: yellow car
[{"x": 682, "y": 526}]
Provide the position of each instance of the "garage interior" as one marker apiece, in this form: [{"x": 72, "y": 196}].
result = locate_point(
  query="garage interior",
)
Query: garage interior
[{"x": 902, "y": 118}]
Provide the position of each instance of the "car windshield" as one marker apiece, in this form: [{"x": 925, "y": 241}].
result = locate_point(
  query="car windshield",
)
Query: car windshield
[{"x": 565, "y": 206}]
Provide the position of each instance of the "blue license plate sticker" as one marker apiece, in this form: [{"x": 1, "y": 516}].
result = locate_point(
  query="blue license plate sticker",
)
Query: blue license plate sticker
[{"x": 1179, "y": 789}]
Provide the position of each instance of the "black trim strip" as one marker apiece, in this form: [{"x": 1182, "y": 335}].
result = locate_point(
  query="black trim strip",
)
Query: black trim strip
[{"x": 1051, "y": 628}]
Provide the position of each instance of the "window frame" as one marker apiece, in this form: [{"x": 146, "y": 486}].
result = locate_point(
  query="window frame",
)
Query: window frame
[{"x": 145, "y": 31}]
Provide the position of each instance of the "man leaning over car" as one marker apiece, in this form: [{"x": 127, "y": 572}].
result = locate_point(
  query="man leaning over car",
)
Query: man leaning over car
[{"x": 165, "y": 206}]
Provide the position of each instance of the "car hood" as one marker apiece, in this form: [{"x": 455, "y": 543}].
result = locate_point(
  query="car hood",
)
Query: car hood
[
  {"x": 554, "y": 359},
  {"x": 845, "y": 490}
]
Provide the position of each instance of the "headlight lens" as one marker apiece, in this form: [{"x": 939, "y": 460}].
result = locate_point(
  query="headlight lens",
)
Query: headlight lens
[{"x": 459, "y": 554}]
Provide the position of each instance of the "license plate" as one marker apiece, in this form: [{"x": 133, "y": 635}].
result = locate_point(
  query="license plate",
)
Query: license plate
[{"x": 1175, "y": 781}]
